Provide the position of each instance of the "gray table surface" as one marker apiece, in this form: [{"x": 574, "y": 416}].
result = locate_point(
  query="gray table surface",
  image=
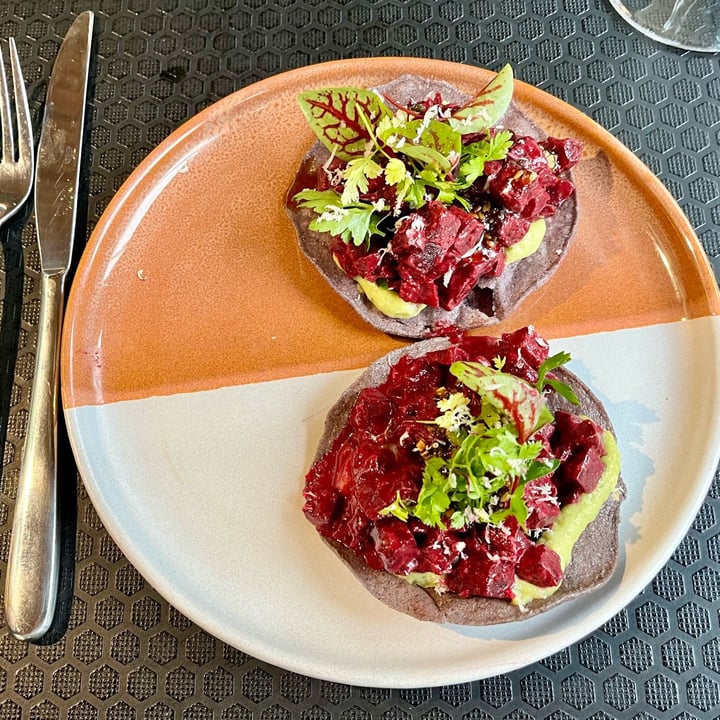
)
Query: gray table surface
[{"x": 119, "y": 650}]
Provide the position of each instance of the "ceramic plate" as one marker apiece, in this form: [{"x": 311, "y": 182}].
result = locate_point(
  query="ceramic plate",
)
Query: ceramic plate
[{"x": 202, "y": 351}]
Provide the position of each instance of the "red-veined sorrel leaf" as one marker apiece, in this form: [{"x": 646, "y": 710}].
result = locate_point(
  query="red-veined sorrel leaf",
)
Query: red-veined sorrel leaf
[
  {"x": 488, "y": 106},
  {"x": 336, "y": 116},
  {"x": 519, "y": 400}
]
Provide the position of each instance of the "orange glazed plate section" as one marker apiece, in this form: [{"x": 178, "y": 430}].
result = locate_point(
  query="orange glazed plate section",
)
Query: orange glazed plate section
[{"x": 193, "y": 279}]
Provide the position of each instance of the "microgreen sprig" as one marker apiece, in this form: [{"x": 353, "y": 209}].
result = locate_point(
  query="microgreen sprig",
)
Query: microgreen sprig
[
  {"x": 561, "y": 388},
  {"x": 493, "y": 455},
  {"x": 420, "y": 157},
  {"x": 355, "y": 223}
]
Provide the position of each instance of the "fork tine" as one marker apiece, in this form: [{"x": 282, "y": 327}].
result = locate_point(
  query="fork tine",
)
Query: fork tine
[
  {"x": 8, "y": 145},
  {"x": 22, "y": 111}
]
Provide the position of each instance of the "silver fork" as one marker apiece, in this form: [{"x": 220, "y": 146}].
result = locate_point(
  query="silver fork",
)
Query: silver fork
[
  {"x": 16, "y": 178},
  {"x": 16, "y": 163}
]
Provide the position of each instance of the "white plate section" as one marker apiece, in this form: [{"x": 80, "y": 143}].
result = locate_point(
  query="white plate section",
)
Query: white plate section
[{"x": 202, "y": 492}]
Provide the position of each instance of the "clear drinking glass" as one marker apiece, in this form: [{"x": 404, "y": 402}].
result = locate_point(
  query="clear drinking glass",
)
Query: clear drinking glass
[{"x": 687, "y": 24}]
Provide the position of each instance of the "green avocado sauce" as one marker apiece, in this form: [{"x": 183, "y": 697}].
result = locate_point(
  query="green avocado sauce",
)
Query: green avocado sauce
[
  {"x": 564, "y": 534},
  {"x": 389, "y": 303},
  {"x": 572, "y": 521},
  {"x": 529, "y": 243}
]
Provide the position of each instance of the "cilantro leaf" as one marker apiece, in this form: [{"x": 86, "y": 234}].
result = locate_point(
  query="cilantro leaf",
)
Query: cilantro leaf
[
  {"x": 434, "y": 496},
  {"x": 395, "y": 172},
  {"x": 353, "y": 223},
  {"x": 475, "y": 155},
  {"x": 474, "y": 484},
  {"x": 550, "y": 364},
  {"x": 317, "y": 200},
  {"x": 356, "y": 175},
  {"x": 515, "y": 506},
  {"x": 563, "y": 389},
  {"x": 541, "y": 468},
  {"x": 399, "y": 508},
  {"x": 483, "y": 478},
  {"x": 446, "y": 191}
]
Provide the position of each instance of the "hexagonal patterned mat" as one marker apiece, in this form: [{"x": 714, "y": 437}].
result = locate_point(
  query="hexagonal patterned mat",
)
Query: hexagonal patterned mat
[{"x": 120, "y": 651}]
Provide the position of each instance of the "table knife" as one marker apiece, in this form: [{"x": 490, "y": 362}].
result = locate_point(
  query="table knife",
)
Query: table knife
[{"x": 33, "y": 562}]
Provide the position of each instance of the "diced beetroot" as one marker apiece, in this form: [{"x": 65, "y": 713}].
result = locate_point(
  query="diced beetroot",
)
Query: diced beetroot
[
  {"x": 536, "y": 201},
  {"x": 492, "y": 168},
  {"x": 572, "y": 431},
  {"x": 379, "y": 478},
  {"x": 558, "y": 191},
  {"x": 543, "y": 435},
  {"x": 373, "y": 411},
  {"x": 481, "y": 346},
  {"x": 477, "y": 574},
  {"x": 444, "y": 224},
  {"x": 499, "y": 264},
  {"x": 578, "y": 443},
  {"x": 367, "y": 266},
  {"x": 448, "y": 356},
  {"x": 431, "y": 243},
  {"x": 447, "y": 330},
  {"x": 524, "y": 351},
  {"x": 528, "y": 154},
  {"x": 431, "y": 223},
  {"x": 510, "y": 229},
  {"x": 469, "y": 234},
  {"x": 342, "y": 465},
  {"x": 349, "y": 525},
  {"x": 328, "y": 479},
  {"x": 466, "y": 275},
  {"x": 462, "y": 281},
  {"x": 567, "y": 151},
  {"x": 440, "y": 549},
  {"x": 541, "y": 498},
  {"x": 419, "y": 291},
  {"x": 395, "y": 545},
  {"x": 526, "y": 185},
  {"x": 579, "y": 474},
  {"x": 319, "y": 506},
  {"x": 417, "y": 394},
  {"x": 426, "y": 265},
  {"x": 511, "y": 186},
  {"x": 506, "y": 541},
  {"x": 540, "y": 565},
  {"x": 587, "y": 467},
  {"x": 355, "y": 261},
  {"x": 412, "y": 375}
]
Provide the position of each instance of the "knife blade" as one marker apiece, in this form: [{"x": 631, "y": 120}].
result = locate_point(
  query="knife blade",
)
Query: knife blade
[{"x": 33, "y": 561}]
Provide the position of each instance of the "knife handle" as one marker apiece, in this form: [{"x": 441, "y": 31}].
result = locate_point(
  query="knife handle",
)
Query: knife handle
[{"x": 33, "y": 561}]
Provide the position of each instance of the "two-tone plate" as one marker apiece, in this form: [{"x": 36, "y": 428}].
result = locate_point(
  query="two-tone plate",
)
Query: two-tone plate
[{"x": 202, "y": 350}]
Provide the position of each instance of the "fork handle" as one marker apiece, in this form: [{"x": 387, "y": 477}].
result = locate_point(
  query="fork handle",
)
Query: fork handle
[{"x": 32, "y": 569}]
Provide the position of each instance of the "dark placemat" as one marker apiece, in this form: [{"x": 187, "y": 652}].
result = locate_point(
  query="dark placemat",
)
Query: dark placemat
[{"x": 118, "y": 650}]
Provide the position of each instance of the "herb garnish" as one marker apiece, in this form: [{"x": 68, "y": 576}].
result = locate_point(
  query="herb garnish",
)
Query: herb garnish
[
  {"x": 553, "y": 363},
  {"x": 420, "y": 156},
  {"x": 493, "y": 454}
]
